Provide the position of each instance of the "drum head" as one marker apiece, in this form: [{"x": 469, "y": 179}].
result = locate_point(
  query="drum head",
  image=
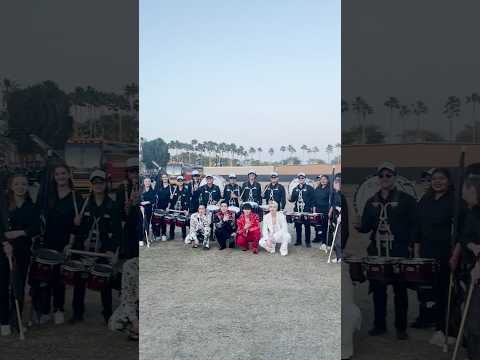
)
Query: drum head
[
  {"x": 418, "y": 261},
  {"x": 265, "y": 207},
  {"x": 353, "y": 259},
  {"x": 102, "y": 270},
  {"x": 74, "y": 265},
  {"x": 371, "y": 186},
  {"x": 213, "y": 208},
  {"x": 234, "y": 209},
  {"x": 48, "y": 256}
]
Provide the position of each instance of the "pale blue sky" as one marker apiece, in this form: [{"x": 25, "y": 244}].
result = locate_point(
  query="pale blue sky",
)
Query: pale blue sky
[{"x": 256, "y": 73}]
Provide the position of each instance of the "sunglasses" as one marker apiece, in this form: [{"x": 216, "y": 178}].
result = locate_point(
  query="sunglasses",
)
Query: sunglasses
[
  {"x": 388, "y": 176},
  {"x": 301, "y": 178}
]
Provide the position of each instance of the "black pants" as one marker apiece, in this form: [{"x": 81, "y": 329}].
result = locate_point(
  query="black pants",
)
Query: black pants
[
  {"x": 321, "y": 230},
  {"x": 172, "y": 230},
  {"x": 223, "y": 234},
  {"x": 44, "y": 292},
  {"x": 7, "y": 296},
  {"x": 379, "y": 290},
  {"x": 298, "y": 229},
  {"x": 78, "y": 302},
  {"x": 472, "y": 326}
]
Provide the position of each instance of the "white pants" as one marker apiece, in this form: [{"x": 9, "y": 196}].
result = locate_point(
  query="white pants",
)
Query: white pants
[{"x": 281, "y": 238}]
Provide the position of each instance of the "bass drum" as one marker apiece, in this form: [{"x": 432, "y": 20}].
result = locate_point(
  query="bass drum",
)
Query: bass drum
[
  {"x": 371, "y": 186},
  {"x": 293, "y": 184},
  {"x": 217, "y": 180}
]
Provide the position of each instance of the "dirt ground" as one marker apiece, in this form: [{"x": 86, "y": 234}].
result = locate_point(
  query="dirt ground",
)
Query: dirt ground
[
  {"x": 225, "y": 305},
  {"x": 386, "y": 347},
  {"x": 82, "y": 341}
]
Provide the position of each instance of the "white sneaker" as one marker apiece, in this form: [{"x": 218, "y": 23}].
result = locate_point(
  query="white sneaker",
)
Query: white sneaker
[
  {"x": 140, "y": 243},
  {"x": 58, "y": 318},
  {"x": 438, "y": 339},
  {"x": 44, "y": 319},
  {"x": 5, "y": 330},
  {"x": 339, "y": 261},
  {"x": 157, "y": 238},
  {"x": 323, "y": 247},
  {"x": 334, "y": 261},
  {"x": 164, "y": 238}
]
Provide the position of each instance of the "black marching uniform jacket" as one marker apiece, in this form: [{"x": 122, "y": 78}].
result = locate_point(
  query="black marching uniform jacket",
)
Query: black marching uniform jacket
[
  {"x": 164, "y": 196},
  {"x": 307, "y": 195},
  {"x": 206, "y": 191},
  {"x": 195, "y": 196},
  {"x": 322, "y": 199},
  {"x": 278, "y": 193},
  {"x": 184, "y": 196},
  {"x": 132, "y": 218},
  {"x": 256, "y": 189},
  {"x": 104, "y": 220},
  {"x": 229, "y": 190},
  {"x": 401, "y": 218}
]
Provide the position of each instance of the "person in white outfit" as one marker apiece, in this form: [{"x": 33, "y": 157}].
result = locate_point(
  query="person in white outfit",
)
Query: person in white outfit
[
  {"x": 351, "y": 315},
  {"x": 199, "y": 228},
  {"x": 275, "y": 230}
]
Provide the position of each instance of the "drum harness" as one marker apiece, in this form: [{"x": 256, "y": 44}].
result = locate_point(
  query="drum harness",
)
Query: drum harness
[
  {"x": 300, "y": 201},
  {"x": 383, "y": 236}
]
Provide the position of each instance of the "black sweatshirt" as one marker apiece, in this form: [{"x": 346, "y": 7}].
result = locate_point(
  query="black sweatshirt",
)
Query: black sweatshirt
[
  {"x": 307, "y": 195},
  {"x": 279, "y": 194}
]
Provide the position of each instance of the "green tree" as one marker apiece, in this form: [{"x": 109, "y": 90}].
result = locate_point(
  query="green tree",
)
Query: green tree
[
  {"x": 473, "y": 99},
  {"x": 363, "y": 109},
  {"x": 392, "y": 104},
  {"x": 419, "y": 109},
  {"x": 329, "y": 151},
  {"x": 452, "y": 110},
  {"x": 404, "y": 114},
  {"x": 156, "y": 150}
]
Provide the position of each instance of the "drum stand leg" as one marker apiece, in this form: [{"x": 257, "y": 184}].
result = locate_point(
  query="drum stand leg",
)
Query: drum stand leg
[{"x": 333, "y": 241}]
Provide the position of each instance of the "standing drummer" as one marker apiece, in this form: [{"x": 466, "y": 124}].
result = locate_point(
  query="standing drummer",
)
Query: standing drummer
[
  {"x": 99, "y": 232},
  {"x": 400, "y": 217},
  {"x": 209, "y": 193},
  {"x": 303, "y": 198},
  {"x": 181, "y": 201},
  {"x": 322, "y": 204},
  {"x": 275, "y": 192},
  {"x": 251, "y": 189},
  {"x": 231, "y": 193},
  {"x": 165, "y": 192}
]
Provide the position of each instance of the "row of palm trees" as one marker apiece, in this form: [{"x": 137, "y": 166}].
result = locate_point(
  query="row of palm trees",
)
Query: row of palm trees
[
  {"x": 236, "y": 154},
  {"x": 452, "y": 109}
]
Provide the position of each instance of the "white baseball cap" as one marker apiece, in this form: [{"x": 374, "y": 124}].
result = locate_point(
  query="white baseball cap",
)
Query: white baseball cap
[
  {"x": 232, "y": 176},
  {"x": 180, "y": 177},
  {"x": 301, "y": 174},
  {"x": 97, "y": 174},
  {"x": 274, "y": 174},
  {"x": 252, "y": 172},
  {"x": 195, "y": 173},
  {"x": 386, "y": 166}
]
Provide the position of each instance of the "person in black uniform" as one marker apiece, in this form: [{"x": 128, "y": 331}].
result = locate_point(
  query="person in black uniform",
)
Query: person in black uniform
[
  {"x": 128, "y": 201},
  {"x": 231, "y": 193},
  {"x": 275, "y": 191},
  {"x": 433, "y": 240},
  {"x": 195, "y": 191},
  {"x": 181, "y": 201},
  {"x": 209, "y": 193},
  {"x": 322, "y": 205},
  {"x": 99, "y": 231},
  {"x": 165, "y": 194},
  {"x": 251, "y": 189},
  {"x": 20, "y": 224},
  {"x": 401, "y": 209},
  {"x": 224, "y": 223},
  {"x": 303, "y": 197},
  {"x": 62, "y": 213}
]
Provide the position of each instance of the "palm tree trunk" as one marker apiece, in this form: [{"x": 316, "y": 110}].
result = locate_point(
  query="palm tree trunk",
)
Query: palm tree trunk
[{"x": 474, "y": 128}]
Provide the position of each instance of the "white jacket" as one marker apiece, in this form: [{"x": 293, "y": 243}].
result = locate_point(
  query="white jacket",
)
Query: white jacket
[{"x": 282, "y": 233}]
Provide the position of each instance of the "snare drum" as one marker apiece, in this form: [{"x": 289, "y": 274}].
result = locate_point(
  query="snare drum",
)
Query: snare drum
[
  {"x": 157, "y": 218},
  {"x": 298, "y": 217},
  {"x": 265, "y": 208},
  {"x": 45, "y": 264},
  {"x": 170, "y": 219},
  {"x": 356, "y": 268},
  {"x": 314, "y": 219},
  {"x": 99, "y": 277},
  {"x": 213, "y": 208},
  {"x": 234, "y": 209},
  {"x": 418, "y": 270},
  {"x": 289, "y": 217},
  {"x": 181, "y": 221},
  {"x": 73, "y": 273},
  {"x": 382, "y": 268}
]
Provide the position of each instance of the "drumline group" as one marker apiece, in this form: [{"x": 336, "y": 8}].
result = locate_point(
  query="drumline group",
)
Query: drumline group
[
  {"x": 61, "y": 239},
  {"x": 411, "y": 247},
  {"x": 233, "y": 217}
]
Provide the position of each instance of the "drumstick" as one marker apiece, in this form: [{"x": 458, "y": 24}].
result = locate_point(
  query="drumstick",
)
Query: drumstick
[
  {"x": 333, "y": 241},
  {"x": 464, "y": 317},
  {"x": 17, "y": 306},
  {"x": 89, "y": 253}
]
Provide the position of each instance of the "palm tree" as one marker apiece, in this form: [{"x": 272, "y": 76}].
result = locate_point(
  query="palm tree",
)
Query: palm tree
[
  {"x": 419, "y": 108},
  {"x": 452, "y": 109},
  {"x": 338, "y": 147},
  {"x": 404, "y": 113},
  {"x": 252, "y": 151},
  {"x": 259, "y": 150},
  {"x": 291, "y": 150},
  {"x": 473, "y": 99},
  {"x": 362, "y": 108},
  {"x": 303, "y": 148},
  {"x": 271, "y": 152},
  {"x": 391, "y": 103},
  {"x": 329, "y": 151},
  {"x": 283, "y": 148}
]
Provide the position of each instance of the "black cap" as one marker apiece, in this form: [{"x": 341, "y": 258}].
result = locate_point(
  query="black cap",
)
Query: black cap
[{"x": 247, "y": 206}]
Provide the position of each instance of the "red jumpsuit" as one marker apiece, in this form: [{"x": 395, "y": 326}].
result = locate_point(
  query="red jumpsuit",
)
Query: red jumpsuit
[{"x": 253, "y": 234}]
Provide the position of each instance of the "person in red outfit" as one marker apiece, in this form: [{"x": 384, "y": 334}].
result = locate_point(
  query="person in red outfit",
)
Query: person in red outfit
[{"x": 248, "y": 229}]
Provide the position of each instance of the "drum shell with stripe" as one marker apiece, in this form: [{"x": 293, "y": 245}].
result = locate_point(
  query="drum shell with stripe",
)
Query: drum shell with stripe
[
  {"x": 73, "y": 273},
  {"x": 45, "y": 265},
  {"x": 418, "y": 270},
  {"x": 99, "y": 277}
]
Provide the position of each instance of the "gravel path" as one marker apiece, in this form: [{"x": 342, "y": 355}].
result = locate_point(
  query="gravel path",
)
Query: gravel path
[{"x": 229, "y": 304}]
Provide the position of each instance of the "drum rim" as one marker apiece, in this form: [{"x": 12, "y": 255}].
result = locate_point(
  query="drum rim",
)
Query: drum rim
[
  {"x": 80, "y": 268},
  {"x": 418, "y": 261},
  {"x": 393, "y": 260}
]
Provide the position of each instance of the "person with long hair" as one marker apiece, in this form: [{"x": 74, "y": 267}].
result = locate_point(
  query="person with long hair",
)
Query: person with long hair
[
  {"x": 433, "y": 240},
  {"x": 99, "y": 231},
  {"x": 61, "y": 214},
  {"x": 165, "y": 194},
  {"x": 224, "y": 224},
  {"x": 21, "y": 226},
  {"x": 248, "y": 229},
  {"x": 322, "y": 204},
  {"x": 466, "y": 257},
  {"x": 147, "y": 202}
]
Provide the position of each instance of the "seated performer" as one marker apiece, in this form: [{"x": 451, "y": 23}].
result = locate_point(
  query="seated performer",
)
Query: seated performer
[
  {"x": 199, "y": 228},
  {"x": 224, "y": 221},
  {"x": 275, "y": 230},
  {"x": 248, "y": 229}
]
